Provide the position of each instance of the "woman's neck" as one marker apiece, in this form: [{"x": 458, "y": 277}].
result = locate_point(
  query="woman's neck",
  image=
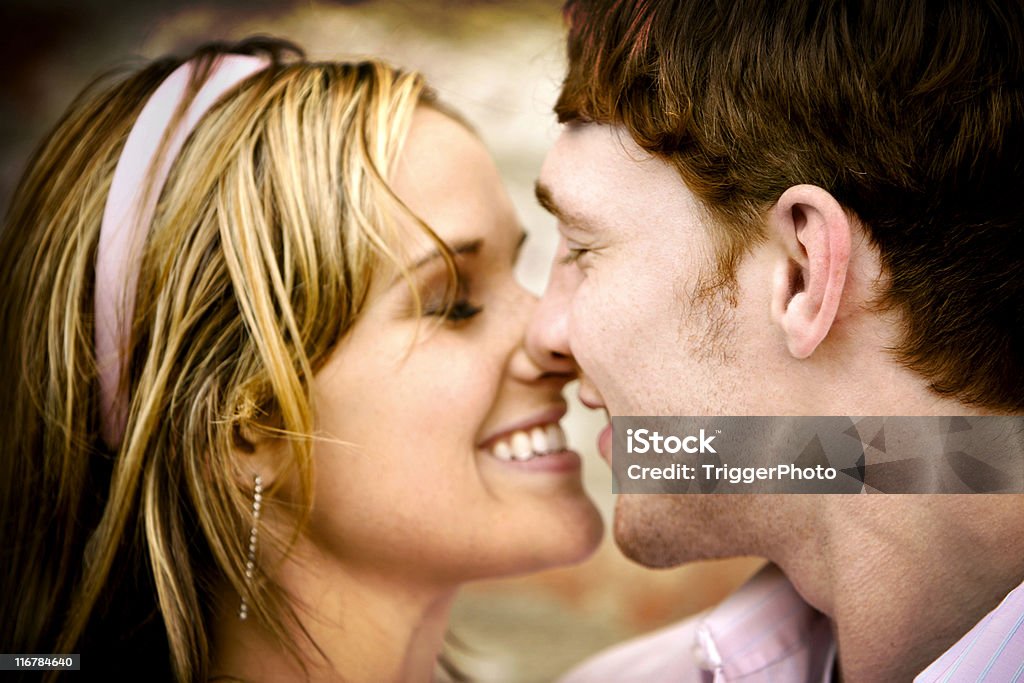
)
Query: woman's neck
[{"x": 359, "y": 626}]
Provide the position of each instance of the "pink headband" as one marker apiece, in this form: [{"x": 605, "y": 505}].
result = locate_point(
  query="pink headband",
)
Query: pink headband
[{"x": 129, "y": 212}]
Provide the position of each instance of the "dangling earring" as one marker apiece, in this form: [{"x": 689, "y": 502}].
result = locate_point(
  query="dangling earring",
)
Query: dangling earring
[{"x": 250, "y": 562}]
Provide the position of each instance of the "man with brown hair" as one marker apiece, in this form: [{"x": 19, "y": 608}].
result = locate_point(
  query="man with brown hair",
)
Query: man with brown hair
[{"x": 801, "y": 208}]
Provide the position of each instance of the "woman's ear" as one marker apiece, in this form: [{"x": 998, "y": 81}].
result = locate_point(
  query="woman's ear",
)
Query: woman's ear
[
  {"x": 256, "y": 446},
  {"x": 244, "y": 438},
  {"x": 810, "y": 274}
]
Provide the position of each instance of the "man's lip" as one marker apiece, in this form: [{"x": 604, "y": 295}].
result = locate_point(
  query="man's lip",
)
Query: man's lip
[
  {"x": 591, "y": 403},
  {"x": 547, "y": 416},
  {"x": 604, "y": 443}
]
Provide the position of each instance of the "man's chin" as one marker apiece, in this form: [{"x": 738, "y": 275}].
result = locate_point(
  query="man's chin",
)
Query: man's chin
[
  {"x": 641, "y": 549},
  {"x": 666, "y": 530}
]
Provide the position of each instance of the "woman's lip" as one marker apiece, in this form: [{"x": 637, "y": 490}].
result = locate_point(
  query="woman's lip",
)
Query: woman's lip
[
  {"x": 547, "y": 416},
  {"x": 564, "y": 460}
]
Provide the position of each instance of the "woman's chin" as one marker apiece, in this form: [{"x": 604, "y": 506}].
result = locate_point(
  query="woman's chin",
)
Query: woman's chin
[
  {"x": 577, "y": 536},
  {"x": 591, "y": 533}
]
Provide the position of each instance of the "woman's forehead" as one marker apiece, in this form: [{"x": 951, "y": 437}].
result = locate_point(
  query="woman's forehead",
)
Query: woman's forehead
[{"x": 447, "y": 179}]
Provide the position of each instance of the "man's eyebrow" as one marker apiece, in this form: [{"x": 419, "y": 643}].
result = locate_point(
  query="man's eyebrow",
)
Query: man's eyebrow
[
  {"x": 544, "y": 198},
  {"x": 547, "y": 201}
]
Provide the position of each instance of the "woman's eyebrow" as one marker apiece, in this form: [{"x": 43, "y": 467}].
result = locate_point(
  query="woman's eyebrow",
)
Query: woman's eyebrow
[
  {"x": 460, "y": 247},
  {"x": 520, "y": 242},
  {"x": 471, "y": 247}
]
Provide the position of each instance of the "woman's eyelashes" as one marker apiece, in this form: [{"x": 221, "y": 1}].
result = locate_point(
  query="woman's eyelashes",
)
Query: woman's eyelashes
[
  {"x": 461, "y": 309},
  {"x": 458, "y": 311}
]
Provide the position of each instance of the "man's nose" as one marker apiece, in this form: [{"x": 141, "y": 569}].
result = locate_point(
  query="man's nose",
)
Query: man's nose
[{"x": 547, "y": 334}]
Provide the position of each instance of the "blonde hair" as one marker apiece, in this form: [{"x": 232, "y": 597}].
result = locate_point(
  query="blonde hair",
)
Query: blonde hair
[{"x": 267, "y": 234}]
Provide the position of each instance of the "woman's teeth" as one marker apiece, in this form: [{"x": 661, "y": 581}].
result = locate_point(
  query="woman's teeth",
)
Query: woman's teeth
[{"x": 526, "y": 445}]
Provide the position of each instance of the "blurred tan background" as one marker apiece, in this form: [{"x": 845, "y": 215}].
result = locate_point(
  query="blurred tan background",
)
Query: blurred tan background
[{"x": 500, "y": 64}]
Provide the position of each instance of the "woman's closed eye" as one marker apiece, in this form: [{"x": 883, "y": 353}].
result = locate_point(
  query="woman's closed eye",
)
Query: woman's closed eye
[
  {"x": 452, "y": 304},
  {"x": 453, "y": 307},
  {"x": 460, "y": 310}
]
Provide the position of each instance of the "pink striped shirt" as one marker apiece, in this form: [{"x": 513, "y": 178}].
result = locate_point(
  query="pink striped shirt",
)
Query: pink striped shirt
[{"x": 765, "y": 632}]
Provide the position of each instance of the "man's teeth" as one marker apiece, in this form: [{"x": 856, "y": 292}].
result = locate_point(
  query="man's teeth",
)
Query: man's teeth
[{"x": 526, "y": 445}]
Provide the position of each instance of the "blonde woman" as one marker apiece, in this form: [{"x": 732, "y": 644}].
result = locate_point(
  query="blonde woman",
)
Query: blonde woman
[{"x": 265, "y": 403}]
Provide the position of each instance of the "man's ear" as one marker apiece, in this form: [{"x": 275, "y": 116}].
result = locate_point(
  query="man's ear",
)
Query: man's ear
[{"x": 808, "y": 279}]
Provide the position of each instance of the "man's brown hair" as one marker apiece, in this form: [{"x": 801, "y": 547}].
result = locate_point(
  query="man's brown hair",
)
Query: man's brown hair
[{"x": 911, "y": 114}]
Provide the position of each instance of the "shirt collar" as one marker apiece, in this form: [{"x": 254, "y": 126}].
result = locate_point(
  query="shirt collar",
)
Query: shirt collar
[
  {"x": 765, "y": 626},
  {"x": 991, "y": 651}
]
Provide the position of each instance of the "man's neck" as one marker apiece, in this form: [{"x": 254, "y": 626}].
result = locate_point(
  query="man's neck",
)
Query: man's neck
[{"x": 905, "y": 577}]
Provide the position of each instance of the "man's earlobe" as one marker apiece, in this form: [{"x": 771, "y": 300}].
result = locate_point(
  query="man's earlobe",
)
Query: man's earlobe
[{"x": 814, "y": 233}]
